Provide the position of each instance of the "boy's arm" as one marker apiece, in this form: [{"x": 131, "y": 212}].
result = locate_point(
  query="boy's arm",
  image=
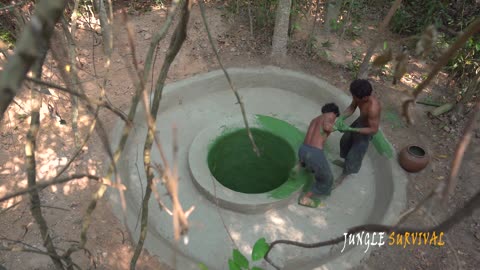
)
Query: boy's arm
[{"x": 349, "y": 110}]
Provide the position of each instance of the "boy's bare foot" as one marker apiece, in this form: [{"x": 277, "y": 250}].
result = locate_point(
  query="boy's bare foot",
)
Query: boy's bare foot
[
  {"x": 309, "y": 201},
  {"x": 306, "y": 198},
  {"x": 339, "y": 180}
]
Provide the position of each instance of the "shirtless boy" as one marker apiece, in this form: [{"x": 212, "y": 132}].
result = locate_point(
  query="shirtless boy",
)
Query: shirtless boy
[
  {"x": 356, "y": 138},
  {"x": 313, "y": 158}
]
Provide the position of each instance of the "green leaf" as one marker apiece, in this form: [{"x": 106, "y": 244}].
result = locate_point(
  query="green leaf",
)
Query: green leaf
[
  {"x": 233, "y": 266},
  {"x": 239, "y": 259},
  {"x": 385, "y": 45},
  {"x": 257, "y": 268},
  {"x": 260, "y": 249},
  {"x": 202, "y": 266}
]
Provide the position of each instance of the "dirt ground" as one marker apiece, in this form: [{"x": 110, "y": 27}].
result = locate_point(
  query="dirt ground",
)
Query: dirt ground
[{"x": 109, "y": 246}]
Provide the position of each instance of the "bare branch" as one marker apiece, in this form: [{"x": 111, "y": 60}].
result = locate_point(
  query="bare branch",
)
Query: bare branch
[
  {"x": 38, "y": 30},
  {"x": 363, "y": 70},
  {"x": 250, "y": 17},
  {"x": 80, "y": 148},
  {"x": 239, "y": 99},
  {"x": 31, "y": 250},
  {"x": 10, "y": 207},
  {"x": 89, "y": 100},
  {"x": 414, "y": 209},
  {"x": 71, "y": 45},
  {"x": 56, "y": 181},
  {"x": 30, "y": 148},
  {"x": 176, "y": 43}
]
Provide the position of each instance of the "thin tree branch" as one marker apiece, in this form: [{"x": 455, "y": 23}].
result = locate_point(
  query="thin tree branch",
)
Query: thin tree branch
[
  {"x": 417, "y": 207},
  {"x": 232, "y": 86},
  {"x": 73, "y": 66},
  {"x": 89, "y": 100},
  {"x": 176, "y": 43},
  {"x": 157, "y": 37},
  {"x": 250, "y": 17},
  {"x": 59, "y": 180},
  {"x": 80, "y": 148},
  {"x": 31, "y": 250},
  {"x": 60, "y": 54},
  {"x": 363, "y": 70},
  {"x": 126, "y": 130},
  {"x": 38, "y": 30},
  {"x": 30, "y": 148},
  {"x": 3, "y": 211}
]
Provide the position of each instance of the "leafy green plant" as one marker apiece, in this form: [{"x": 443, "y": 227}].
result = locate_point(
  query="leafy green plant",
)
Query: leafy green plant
[
  {"x": 260, "y": 249},
  {"x": 467, "y": 61},
  {"x": 7, "y": 37},
  {"x": 335, "y": 25},
  {"x": 414, "y": 16},
  {"x": 239, "y": 262}
]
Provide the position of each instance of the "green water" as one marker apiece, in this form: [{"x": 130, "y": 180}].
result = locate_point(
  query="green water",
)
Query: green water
[{"x": 233, "y": 163}]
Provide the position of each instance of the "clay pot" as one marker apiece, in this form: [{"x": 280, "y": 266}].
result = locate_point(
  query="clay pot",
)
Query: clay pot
[{"x": 413, "y": 158}]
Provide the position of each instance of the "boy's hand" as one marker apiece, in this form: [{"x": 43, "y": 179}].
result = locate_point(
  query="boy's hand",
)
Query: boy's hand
[{"x": 341, "y": 126}]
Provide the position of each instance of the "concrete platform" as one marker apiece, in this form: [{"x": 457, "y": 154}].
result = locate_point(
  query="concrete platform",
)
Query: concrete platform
[{"x": 377, "y": 194}]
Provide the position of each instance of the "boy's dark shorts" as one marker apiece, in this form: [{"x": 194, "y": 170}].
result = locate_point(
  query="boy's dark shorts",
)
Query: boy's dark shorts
[{"x": 314, "y": 160}]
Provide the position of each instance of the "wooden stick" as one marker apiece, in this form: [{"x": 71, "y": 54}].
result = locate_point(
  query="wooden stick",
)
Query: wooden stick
[
  {"x": 441, "y": 110},
  {"x": 429, "y": 103}
]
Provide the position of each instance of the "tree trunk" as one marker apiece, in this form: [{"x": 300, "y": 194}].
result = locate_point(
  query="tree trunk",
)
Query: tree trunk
[{"x": 280, "y": 32}]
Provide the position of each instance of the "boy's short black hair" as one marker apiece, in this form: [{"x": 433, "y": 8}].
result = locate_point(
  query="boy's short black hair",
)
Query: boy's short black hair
[
  {"x": 331, "y": 107},
  {"x": 361, "y": 88}
]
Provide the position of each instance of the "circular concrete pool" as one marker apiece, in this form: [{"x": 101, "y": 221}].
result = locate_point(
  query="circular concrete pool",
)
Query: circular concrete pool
[
  {"x": 235, "y": 165},
  {"x": 280, "y": 104}
]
